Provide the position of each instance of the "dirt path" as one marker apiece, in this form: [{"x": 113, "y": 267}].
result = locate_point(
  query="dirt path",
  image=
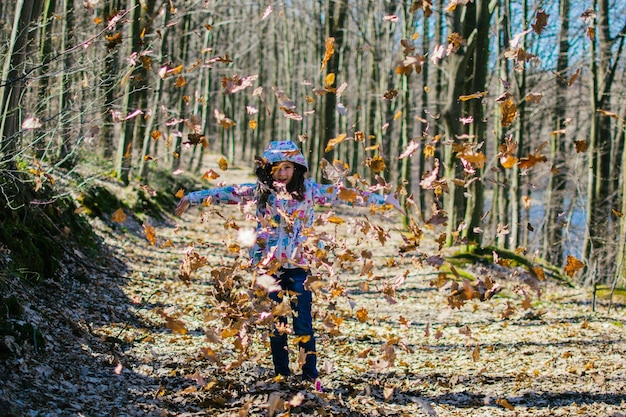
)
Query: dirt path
[{"x": 132, "y": 342}]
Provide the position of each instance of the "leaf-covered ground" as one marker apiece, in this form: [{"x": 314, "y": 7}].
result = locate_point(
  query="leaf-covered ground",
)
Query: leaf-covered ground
[{"x": 136, "y": 340}]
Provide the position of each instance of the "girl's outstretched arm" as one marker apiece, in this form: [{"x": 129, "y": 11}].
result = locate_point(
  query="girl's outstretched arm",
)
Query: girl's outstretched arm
[
  {"x": 335, "y": 195},
  {"x": 230, "y": 194}
]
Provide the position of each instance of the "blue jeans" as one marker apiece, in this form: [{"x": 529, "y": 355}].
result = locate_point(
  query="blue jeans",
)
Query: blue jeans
[{"x": 292, "y": 280}]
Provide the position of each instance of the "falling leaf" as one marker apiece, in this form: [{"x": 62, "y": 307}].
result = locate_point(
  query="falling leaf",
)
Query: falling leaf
[
  {"x": 31, "y": 123},
  {"x": 334, "y": 142},
  {"x": 180, "y": 193},
  {"x": 617, "y": 213},
  {"x": 223, "y": 164},
  {"x": 268, "y": 11},
  {"x": 253, "y": 124},
  {"x": 222, "y": 120},
  {"x": 534, "y": 98},
  {"x": 390, "y": 94},
  {"x": 541, "y": 21},
  {"x": 180, "y": 82},
  {"x": 376, "y": 164},
  {"x": 573, "y": 265},
  {"x": 149, "y": 233},
  {"x": 580, "y": 145},
  {"x": 329, "y": 80},
  {"x": 410, "y": 149},
  {"x": 119, "y": 216},
  {"x": 347, "y": 194},
  {"x": 508, "y": 161},
  {"x": 608, "y": 113},
  {"x": 573, "y": 78},
  {"x": 330, "y": 50},
  {"x": 479, "y": 94},
  {"x": 211, "y": 175},
  {"x": 508, "y": 109}
]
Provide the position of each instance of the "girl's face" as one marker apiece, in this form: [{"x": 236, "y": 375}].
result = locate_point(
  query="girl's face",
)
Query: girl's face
[{"x": 283, "y": 172}]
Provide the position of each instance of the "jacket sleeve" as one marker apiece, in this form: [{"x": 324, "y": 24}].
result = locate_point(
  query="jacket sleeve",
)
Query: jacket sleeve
[{"x": 230, "y": 194}]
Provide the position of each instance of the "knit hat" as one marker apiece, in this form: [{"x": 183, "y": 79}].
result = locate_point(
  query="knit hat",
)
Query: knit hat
[{"x": 284, "y": 150}]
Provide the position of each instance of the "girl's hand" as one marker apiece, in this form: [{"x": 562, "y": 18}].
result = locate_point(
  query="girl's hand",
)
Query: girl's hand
[
  {"x": 183, "y": 205},
  {"x": 392, "y": 200}
]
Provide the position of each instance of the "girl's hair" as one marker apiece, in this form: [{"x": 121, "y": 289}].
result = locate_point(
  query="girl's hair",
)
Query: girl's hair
[{"x": 295, "y": 187}]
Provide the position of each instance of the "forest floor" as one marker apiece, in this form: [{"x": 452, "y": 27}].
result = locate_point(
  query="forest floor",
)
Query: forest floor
[{"x": 136, "y": 340}]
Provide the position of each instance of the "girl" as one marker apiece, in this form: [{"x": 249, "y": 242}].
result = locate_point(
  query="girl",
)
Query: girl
[{"x": 284, "y": 199}]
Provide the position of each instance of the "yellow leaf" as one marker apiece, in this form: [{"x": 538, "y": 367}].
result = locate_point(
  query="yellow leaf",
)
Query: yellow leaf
[
  {"x": 479, "y": 94},
  {"x": 397, "y": 115},
  {"x": 334, "y": 142},
  {"x": 335, "y": 220},
  {"x": 252, "y": 124},
  {"x": 180, "y": 193},
  {"x": 223, "y": 164},
  {"x": 329, "y": 80}
]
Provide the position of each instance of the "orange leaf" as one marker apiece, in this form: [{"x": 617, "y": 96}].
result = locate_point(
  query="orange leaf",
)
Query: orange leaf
[
  {"x": 573, "y": 265},
  {"x": 330, "y": 50},
  {"x": 180, "y": 193},
  {"x": 504, "y": 403},
  {"x": 361, "y": 315},
  {"x": 347, "y": 194},
  {"x": 508, "y": 161},
  {"x": 210, "y": 175},
  {"x": 149, "y": 232},
  {"x": 223, "y": 164}
]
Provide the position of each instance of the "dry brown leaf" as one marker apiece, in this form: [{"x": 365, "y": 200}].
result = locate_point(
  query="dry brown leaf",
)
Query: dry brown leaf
[
  {"x": 119, "y": 216},
  {"x": 573, "y": 265}
]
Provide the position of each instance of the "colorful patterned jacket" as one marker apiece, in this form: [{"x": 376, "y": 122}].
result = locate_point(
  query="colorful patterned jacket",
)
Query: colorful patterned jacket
[{"x": 283, "y": 223}]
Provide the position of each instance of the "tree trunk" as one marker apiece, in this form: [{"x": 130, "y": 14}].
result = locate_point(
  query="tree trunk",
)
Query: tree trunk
[
  {"x": 555, "y": 199},
  {"x": 26, "y": 13}
]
